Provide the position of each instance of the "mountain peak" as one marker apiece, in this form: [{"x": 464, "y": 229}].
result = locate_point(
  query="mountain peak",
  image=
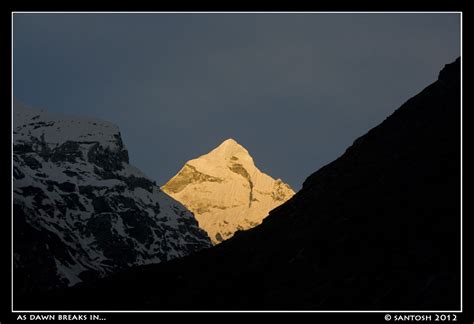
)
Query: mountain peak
[
  {"x": 226, "y": 191},
  {"x": 230, "y": 142},
  {"x": 57, "y": 129},
  {"x": 228, "y": 149}
]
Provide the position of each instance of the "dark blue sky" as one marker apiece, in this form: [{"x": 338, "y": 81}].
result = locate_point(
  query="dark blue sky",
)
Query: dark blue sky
[{"x": 294, "y": 89}]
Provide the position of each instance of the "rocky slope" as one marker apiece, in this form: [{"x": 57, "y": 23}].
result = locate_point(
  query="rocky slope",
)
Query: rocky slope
[
  {"x": 377, "y": 229},
  {"x": 226, "y": 191},
  {"x": 81, "y": 210}
]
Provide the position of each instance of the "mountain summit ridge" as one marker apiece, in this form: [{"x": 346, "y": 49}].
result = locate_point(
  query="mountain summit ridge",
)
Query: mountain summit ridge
[{"x": 226, "y": 191}]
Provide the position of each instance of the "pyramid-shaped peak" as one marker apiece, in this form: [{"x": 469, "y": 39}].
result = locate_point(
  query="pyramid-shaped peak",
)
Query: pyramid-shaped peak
[
  {"x": 230, "y": 148},
  {"x": 230, "y": 142},
  {"x": 226, "y": 191}
]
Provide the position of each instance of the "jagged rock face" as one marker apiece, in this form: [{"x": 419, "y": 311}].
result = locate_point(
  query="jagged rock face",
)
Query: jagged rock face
[
  {"x": 226, "y": 191},
  {"x": 81, "y": 210}
]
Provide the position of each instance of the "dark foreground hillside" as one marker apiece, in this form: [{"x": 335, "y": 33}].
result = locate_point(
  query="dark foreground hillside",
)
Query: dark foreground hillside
[{"x": 378, "y": 228}]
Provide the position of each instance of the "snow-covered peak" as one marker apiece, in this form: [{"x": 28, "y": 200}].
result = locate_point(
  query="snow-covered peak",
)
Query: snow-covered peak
[
  {"x": 231, "y": 144},
  {"x": 227, "y": 152},
  {"x": 230, "y": 147},
  {"x": 226, "y": 191},
  {"x": 55, "y": 128}
]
